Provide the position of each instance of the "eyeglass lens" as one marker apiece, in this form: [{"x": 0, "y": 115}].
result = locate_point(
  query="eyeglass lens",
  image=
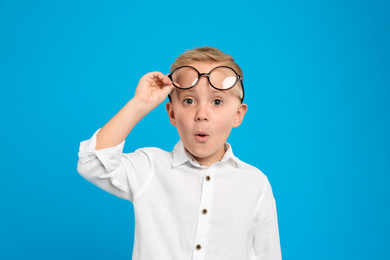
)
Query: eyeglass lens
[{"x": 220, "y": 78}]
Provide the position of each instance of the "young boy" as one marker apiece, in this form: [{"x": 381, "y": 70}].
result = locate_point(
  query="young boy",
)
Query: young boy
[{"x": 198, "y": 201}]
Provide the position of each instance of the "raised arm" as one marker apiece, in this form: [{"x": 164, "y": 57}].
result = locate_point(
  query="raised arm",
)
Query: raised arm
[{"x": 151, "y": 91}]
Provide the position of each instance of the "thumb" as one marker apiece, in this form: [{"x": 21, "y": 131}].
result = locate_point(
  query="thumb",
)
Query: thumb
[{"x": 168, "y": 89}]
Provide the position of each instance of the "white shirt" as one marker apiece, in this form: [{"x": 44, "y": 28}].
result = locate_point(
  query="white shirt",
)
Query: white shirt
[{"x": 184, "y": 210}]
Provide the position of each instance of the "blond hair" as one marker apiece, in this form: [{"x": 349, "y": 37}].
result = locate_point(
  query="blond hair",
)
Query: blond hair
[{"x": 208, "y": 54}]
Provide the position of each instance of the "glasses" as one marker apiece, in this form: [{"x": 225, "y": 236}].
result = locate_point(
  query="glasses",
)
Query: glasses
[{"x": 220, "y": 78}]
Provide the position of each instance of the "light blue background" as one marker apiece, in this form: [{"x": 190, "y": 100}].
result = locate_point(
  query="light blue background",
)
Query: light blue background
[{"x": 317, "y": 78}]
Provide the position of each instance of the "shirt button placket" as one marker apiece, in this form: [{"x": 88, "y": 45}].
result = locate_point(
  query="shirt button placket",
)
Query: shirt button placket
[{"x": 204, "y": 215}]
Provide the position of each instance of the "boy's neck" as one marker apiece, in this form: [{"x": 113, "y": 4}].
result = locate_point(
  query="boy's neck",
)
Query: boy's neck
[{"x": 208, "y": 161}]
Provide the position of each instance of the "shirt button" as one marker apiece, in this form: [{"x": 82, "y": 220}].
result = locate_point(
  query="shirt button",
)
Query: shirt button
[
  {"x": 204, "y": 211},
  {"x": 208, "y": 178},
  {"x": 198, "y": 247}
]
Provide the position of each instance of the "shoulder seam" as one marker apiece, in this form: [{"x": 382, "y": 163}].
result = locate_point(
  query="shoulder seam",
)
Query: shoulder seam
[
  {"x": 261, "y": 196},
  {"x": 151, "y": 174}
]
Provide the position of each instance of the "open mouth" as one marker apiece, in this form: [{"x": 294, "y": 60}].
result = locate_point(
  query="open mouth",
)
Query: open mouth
[
  {"x": 201, "y": 137},
  {"x": 201, "y": 134}
]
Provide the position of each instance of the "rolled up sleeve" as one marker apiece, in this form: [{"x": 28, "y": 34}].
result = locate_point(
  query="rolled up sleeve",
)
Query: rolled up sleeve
[{"x": 119, "y": 174}]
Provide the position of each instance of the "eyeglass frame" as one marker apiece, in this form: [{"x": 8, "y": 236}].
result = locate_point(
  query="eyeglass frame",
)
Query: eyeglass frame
[{"x": 238, "y": 78}]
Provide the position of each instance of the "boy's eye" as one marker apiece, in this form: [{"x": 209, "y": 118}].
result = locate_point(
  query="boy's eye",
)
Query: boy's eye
[
  {"x": 217, "y": 102},
  {"x": 188, "y": 101}
]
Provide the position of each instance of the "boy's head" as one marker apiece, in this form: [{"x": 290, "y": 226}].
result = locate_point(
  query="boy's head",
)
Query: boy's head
[{"x": 202, "y": 114}]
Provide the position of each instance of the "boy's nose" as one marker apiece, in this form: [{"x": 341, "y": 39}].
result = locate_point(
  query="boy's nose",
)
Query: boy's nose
[
  {"x": 202, "y": 114},
  {"x": 203, "y": 88}
]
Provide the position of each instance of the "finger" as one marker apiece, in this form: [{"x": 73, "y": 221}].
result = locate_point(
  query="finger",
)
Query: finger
[
  {"x": 157, "y": 79},
  {"x": 164, "y": 78}
]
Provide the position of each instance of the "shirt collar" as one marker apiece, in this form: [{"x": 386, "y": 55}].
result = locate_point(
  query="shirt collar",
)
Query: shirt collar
[{"x": 181, "y": 156}]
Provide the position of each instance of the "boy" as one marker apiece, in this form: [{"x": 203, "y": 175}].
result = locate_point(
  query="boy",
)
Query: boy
[{"x": 198, "y": 201}]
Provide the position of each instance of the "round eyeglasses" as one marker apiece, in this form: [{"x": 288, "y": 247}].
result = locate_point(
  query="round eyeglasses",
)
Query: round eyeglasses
[{"x": 220, "y": 78}]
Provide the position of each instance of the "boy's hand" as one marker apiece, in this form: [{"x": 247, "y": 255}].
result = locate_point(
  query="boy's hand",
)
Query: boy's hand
[{"x": 152, "y": 89}]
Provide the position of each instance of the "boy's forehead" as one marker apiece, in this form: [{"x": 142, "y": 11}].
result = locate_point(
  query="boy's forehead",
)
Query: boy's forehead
[{"x": 209, "y": 90}]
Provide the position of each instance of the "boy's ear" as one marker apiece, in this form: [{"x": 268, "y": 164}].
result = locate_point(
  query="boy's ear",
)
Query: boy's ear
[
  {"x": 240, "y": 115},
  {"x": 171, "y": 113}
]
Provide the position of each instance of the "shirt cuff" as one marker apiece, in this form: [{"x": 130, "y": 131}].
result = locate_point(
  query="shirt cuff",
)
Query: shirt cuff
[{"x": 109, "y": 157}]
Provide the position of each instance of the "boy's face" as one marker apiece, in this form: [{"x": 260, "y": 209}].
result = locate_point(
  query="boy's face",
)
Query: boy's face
[{"x": 205, "y": 116}]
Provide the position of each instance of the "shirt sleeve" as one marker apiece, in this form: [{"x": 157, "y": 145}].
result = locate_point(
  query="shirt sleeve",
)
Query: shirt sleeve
[
  {"x": 119, "y": 174},
  {"x": 266, "y": 243}
]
